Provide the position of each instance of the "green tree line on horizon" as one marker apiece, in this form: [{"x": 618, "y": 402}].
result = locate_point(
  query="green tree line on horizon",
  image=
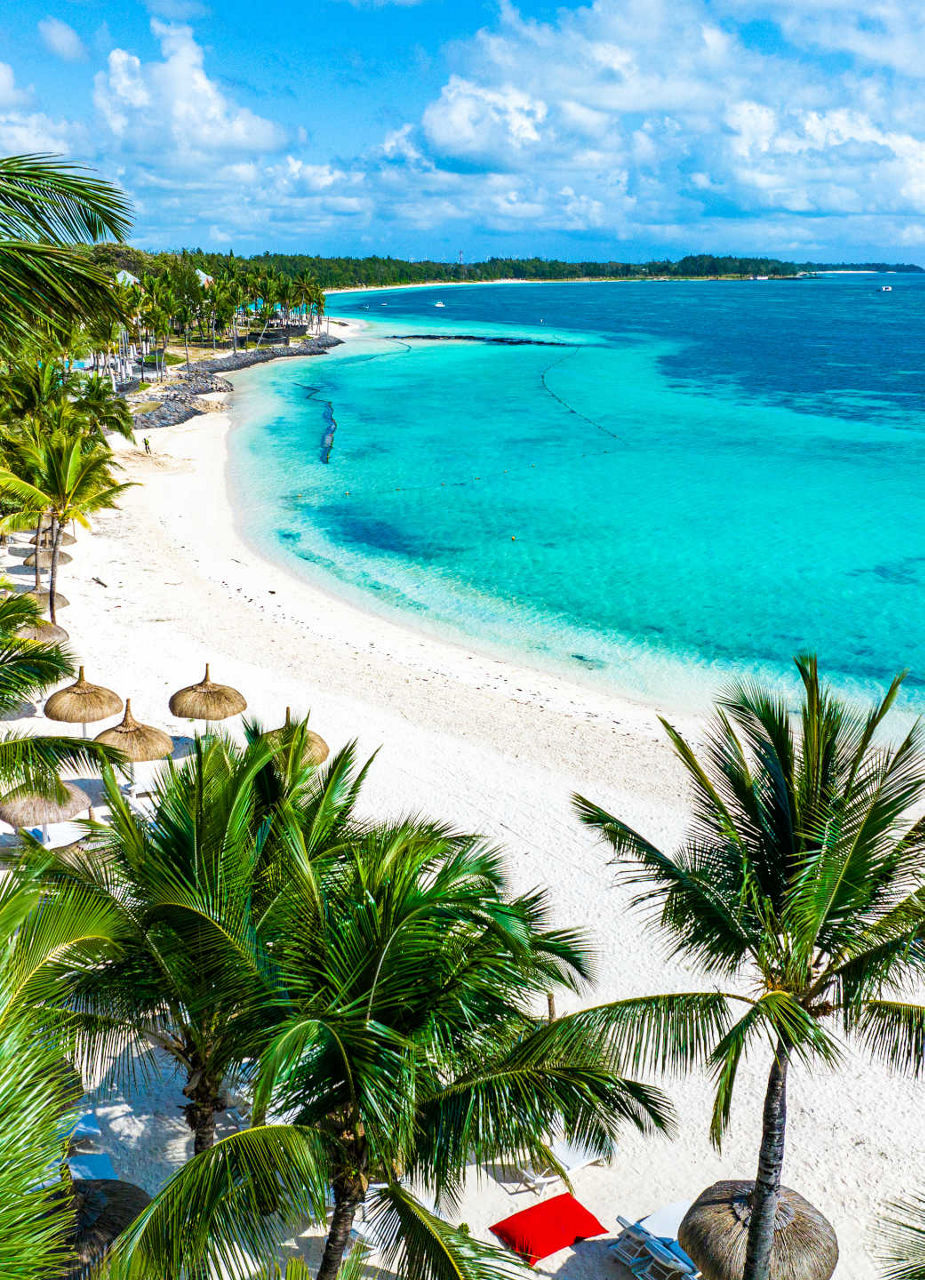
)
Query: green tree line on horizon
[{"x": 346, "y": 272}]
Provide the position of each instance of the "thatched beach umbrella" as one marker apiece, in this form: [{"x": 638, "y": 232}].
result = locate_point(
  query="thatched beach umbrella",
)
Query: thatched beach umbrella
[
  {"x": 207, "y": 701},
  {"x": 44, "y": 558},
  {"x": 33, "y": 810},
  {"x": 42, "y": 597},
  {"x": 47, "y": 537},
  {"x": 136, "y": 741},
  {"x": 714, "y": 1233},
  {"x": 102, "y": 1208},
  {"x": 82, "y": 703},
  {"x": 43, "y": 632},
  {"x": 316, "y": 749}
]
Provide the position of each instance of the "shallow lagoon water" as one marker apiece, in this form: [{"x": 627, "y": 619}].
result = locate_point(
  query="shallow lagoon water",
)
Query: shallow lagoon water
[{"x": 668, "y": 483}]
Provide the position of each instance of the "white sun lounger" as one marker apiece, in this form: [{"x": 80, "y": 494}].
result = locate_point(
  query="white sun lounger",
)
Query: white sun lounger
[
  {"x": 570, "y": 1155},
  {"x": 630, "y": 1245},
  {"x": 662, "y": 1265}
]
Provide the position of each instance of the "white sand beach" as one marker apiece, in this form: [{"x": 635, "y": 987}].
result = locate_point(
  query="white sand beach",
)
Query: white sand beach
[{"x": 168, "y": 583}]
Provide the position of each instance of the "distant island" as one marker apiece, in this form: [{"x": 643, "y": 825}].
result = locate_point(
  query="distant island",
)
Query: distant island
[{"x": 346, "y": 273}]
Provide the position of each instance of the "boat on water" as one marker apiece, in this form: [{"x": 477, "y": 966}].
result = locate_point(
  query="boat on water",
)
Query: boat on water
[
  {"x": 439, "y": 304},
  {"x": 885, "y": 288}
]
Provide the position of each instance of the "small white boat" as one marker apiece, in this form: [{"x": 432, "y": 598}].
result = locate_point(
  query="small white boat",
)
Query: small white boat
[
  {"x": 885, "y": 288},
  {"x": 439, "y": 304}
]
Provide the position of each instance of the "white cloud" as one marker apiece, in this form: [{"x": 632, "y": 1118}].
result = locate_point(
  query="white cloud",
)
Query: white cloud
[
  {"x": 172, "y": 110},
  {"x": 61, "y": 40},
  {"x": 470, "y": 120},
  {"x": 654, "y": 122},
  {"x": 10, "y": 96}
]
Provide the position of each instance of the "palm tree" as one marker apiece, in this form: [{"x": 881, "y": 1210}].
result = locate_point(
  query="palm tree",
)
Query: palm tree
[
  {"x": 901, "y": 1238},
  {"x": 37, "y": 1090},
  {"x": 403, "y": 1043},
  {"x": 47, "y": 208},
  {"x": 803, "y": 875},
  {"x": 27, "y": 670},
  {"x": 268, "y": 296},
  {"x": 103, "y": 411},
  {"x": 193, "y": 878},
  {"x": 63, "y": 480}
]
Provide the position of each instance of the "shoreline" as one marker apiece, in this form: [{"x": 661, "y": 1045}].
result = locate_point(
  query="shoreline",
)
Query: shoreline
[{"x": 453, "y": 284}]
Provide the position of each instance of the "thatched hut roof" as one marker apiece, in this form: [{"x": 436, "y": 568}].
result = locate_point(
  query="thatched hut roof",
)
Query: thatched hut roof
[
  {"x": 714, "y": 1232},
  {"x": 45, "y": 559},
  {"x": 42, "y": 598},
  {"x": 103, "y": 1208},
  {"x": 136, "y": 741},
  {"x": 83, "y": 702},
  {"x": 67, "y": 539},
  {"x": 207, "y": 701},
  {"x": 33, "y": 810},
  {"x": 43, "y": 632},
  {"x": 316, "y": 749}
]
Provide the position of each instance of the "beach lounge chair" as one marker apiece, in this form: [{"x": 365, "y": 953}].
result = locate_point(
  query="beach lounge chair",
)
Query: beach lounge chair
[
  {"x": 630, "y": 1245},
  {"x": 570, "y": 1155},
  {"x": 661, "y": 1264}
]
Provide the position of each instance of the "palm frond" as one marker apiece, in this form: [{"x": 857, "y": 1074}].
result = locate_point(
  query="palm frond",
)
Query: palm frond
[
  {"x": 418, "y": 1245},
  {"x": 230, "y": 1205}
]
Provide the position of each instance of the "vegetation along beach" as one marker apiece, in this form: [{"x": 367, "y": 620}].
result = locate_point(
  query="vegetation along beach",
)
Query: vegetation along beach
[{"x": 462, "y": 790}]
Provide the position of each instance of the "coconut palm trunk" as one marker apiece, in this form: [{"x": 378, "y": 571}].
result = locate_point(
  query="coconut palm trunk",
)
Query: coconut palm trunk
[
  {"x": 205, "y": 1101},
  {"x": 38, "y": 547},
  {"x": 57, "y": 532},
  {"x": 349, "y": 1192},
  {"x": 766, "y": 1196}
]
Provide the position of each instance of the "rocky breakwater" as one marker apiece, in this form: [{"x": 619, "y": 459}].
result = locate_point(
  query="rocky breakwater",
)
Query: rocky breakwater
[{"x": 181, "y": 398}]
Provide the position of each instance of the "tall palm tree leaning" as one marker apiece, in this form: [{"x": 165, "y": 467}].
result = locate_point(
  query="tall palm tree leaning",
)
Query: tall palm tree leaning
[
  {"x": 803, "y": 874},
  {"x": 394, "y": 1016},
  {"x": 47, "y": 208},
  {"x": 66, "y": 482}
]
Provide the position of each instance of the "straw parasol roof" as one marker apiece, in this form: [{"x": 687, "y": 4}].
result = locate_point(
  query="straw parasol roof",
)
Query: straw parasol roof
[
  {"x": 42, "y": 598},
  {"x": 137, "y": 742},
  {"x": 82, "y": 702},
  {"x": 714, "y": 1233},
  {"x": 45, "y": 559},
  {"x": 32, "y": 810},
  {"x": 43, "y": 632},
  {"x": 207, "y": 701},
  {"x": 103, "y": 1208},
  {"x": 316, "y": 749},
  {"x": 67, "y": 539}
]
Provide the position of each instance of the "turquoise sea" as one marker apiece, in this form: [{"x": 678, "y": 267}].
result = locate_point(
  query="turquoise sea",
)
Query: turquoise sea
[{"x": 646, "y": 484}]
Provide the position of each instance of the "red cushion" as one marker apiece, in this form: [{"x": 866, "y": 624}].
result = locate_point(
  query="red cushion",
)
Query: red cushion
[{"x": 547, "y": 1227}]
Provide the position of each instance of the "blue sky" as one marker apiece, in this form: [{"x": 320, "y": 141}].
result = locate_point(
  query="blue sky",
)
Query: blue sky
[{"x": 421, "y": 128}]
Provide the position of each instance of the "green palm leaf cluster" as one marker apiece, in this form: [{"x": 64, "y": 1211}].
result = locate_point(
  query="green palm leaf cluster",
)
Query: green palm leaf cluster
[
  {"x": 47, "y": 210},
  {"x": 371, "y": 987},
  {"x": 802, "y": 877},
  {"x": 38, "y": 1089}
]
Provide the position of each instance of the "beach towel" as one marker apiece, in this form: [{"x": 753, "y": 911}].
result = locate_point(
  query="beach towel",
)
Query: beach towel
[{"x": 547, "y": 1227}]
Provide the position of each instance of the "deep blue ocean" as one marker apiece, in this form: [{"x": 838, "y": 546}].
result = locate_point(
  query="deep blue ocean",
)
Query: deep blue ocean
[{"x": 661, "y": 484}]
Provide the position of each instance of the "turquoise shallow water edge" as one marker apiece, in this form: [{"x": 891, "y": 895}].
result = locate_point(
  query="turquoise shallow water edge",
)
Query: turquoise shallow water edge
[{"x": 666, "y": 484}]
